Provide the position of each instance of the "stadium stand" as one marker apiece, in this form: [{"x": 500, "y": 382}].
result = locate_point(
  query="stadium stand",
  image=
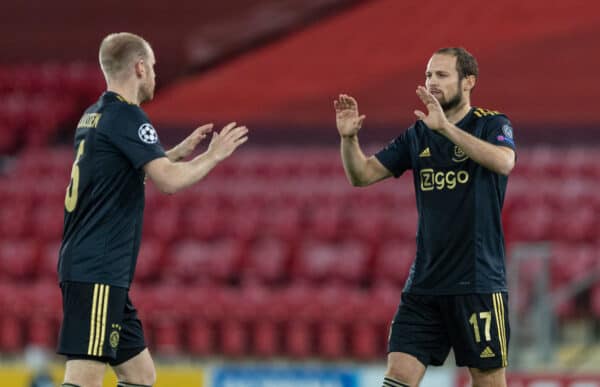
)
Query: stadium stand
[{"x": 216, "y": 278}]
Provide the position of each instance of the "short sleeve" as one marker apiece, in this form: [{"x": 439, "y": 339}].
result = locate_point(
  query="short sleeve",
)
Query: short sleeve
[
  {"x": 499, "y": 131},
  {"x": 396, "y": 155},
  {"x": 133, "y": 134}
]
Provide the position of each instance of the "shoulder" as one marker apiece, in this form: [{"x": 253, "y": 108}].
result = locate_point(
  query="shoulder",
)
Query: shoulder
[
  {"x": 489, "y": 115},
  {"x": 130, "y": 112},
  {"x": 123, "y": 115}
]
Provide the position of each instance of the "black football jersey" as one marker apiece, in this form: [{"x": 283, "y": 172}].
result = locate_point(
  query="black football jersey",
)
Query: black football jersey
[
  {"x": 460, "y": 243},
  {"x": 104, "y": 202}
]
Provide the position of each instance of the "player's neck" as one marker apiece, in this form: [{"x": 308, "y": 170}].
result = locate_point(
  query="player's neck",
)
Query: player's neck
[
  {"x": 128, "y": 92},
  {"x": 458, "y": 112}
]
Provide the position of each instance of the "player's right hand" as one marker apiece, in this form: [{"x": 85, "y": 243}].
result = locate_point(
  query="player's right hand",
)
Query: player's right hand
[
  {"x": 346, "y": 116},
  {"x": 223, "y": 144}
]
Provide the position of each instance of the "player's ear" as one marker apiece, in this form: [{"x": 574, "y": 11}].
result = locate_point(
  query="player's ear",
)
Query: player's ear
[
  {"x": 469, "y": 82},
  {"x": 139, "y": 68}
]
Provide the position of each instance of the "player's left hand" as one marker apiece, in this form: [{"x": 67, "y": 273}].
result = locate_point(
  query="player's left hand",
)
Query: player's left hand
[
  {"x": 435, "y": 119},
  {"x": 187, "y": 146}
]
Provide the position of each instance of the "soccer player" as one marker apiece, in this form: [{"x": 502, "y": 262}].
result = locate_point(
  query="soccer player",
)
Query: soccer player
[
  {"x": 116, "y": 147},
  {"x": 461, "y": 156}
]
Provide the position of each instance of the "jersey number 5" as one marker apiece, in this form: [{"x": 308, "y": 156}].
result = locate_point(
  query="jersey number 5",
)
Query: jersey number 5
[{"x": 73, "y": 188}]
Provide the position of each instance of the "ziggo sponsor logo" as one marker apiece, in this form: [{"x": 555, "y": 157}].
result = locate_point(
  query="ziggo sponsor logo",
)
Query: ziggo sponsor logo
[{"x": 432, "y": 180}]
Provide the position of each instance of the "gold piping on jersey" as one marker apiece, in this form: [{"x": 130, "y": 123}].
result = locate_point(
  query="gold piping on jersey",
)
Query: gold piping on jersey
[
  {"x": 480, "y": 112},
  {"x": 124, "y": 100}
]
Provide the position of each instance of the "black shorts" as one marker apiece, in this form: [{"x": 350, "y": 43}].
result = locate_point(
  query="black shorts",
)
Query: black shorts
[
  {"x": 474, "y": 325},
  {"x": 99, "y": 323}
]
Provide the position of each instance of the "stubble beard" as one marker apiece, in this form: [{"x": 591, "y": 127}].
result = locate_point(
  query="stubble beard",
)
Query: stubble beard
[
  {"x": 453, "y": 102},
  {"x": 145, "y": 93}
]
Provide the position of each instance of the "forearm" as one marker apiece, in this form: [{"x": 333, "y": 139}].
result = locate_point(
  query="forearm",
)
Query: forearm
[
  {"x": 184, "y": 174},
  {"x": 174, "y": 154},
  {"x": 492, "y": 157},
  {"x": 355, "y": 161}
]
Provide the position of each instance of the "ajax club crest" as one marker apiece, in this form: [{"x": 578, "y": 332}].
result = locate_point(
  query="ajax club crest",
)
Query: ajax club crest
[{"x": 459, "y": 156}]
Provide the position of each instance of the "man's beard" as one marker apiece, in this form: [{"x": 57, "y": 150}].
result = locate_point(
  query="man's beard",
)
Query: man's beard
[
  {"x": 453, "y": 102},
  {"x": 145, "y": 94}
]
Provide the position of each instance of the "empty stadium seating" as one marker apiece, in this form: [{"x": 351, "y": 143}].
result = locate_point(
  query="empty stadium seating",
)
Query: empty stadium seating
[
  {"x": 36, "y": 99},
  {"x": 253, "y": 262}
]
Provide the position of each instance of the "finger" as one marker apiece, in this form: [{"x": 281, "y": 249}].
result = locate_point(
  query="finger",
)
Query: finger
[
  {"x": 227, "y": 128},
  {"x": 425, "y": 95},
  {"x": 420, "y": 115},
  {"x": 336, "y": 105},
  {"x": 360, "y": 120},
  {"x": 241, "y": 140},
  {"x": 351, "y": 100},
  {"x": 203, "y": 129},
  {"x": 237, "y": 134}
]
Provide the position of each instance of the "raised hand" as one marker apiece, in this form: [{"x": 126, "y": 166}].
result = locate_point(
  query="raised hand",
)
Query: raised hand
[
  {"x": 346, "y": 116},
  {"x": 435, "y": 118},
  {"x": 187, "y": 146},
  {"x": 223, "y": 144}
]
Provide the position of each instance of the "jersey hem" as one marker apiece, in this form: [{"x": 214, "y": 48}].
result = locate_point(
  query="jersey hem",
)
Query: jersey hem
[
  {"x": 90, "y": 281},
  {"x": 446, "y": 292}
]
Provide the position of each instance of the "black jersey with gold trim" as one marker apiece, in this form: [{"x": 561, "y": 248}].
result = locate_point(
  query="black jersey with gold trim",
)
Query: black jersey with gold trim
[
  {"x": 104, "y": 202},
  {"x": 460, "y": 243}
]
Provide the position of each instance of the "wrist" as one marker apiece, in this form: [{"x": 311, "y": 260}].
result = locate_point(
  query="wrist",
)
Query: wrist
[
  {"x": 447, "y": 128},
  {"x": 175, "y": 153},
  {"x": 212, "y": 157},
  {"x": 349, "y": 137}
]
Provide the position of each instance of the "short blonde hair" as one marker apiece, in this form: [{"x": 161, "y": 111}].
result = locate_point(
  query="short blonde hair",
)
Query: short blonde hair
[{"x": 118, "y": 50}]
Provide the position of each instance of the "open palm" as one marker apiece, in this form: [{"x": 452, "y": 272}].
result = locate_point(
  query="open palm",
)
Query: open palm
[{"x": 347, "y": 118}]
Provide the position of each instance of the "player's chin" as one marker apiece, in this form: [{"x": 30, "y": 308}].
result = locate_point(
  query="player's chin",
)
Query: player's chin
[
  {"x": 439, "y": 96},
  {"x": 147, "y": 96}
]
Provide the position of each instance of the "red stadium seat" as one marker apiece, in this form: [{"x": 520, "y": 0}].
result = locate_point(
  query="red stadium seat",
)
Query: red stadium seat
[
  {"x": 302, "y": 312},
  {"x": 345, "y": 261},
  {"x": 18, "y": 259},
  {"x": 325, "y": 222},
  {"x": 162, "y": 223},
  {"x": 44, "y": 312},
  {"x": 530, "y": 224},
  {"x": 401, "y": 223},
  {"x": 282, "y": 222},
  {"x": 48, "y": 222},
  {"x": 48, "y": 262},
  {"x": 193, "y": 261},
  {"x": 11, "y": 328},
  {"x": 14, "y": 219},
  {"x": 150, "y": 260},
  {"x": 266, "y": 261},
  {"x": 394, "y": 261},
  {"x": 572, "y": 262}
]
